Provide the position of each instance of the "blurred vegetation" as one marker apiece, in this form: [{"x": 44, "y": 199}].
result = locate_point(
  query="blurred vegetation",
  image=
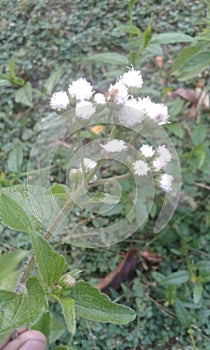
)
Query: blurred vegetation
[{"x": 43, "y": 37}]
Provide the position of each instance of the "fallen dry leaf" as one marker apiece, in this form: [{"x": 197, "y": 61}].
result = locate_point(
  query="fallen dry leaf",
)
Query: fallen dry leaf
[
  {"x": 150, "y": 256},
  {"x": 120, "y": 273}
]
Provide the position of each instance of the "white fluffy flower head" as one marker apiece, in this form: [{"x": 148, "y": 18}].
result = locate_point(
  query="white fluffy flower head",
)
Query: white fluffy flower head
[
  {"x": 164, "y": 153},
  {"x": 59, "y": 101},
  {"x": 81, "y": 89},
  {"x": 99, "y": 98},
  {"x": 158, "y": 164},
  {"x": 140, "y": 168},
  {"x": 166, "y": 181},
  {"x": 132, "y": 79},
  {"x": 89, "y": 164},
  {"x": 84, "y": 109},
  {"x": 147, "y": 151},
  {"x": 117, "y": 93},
  {"x": 114, "y": 146}
]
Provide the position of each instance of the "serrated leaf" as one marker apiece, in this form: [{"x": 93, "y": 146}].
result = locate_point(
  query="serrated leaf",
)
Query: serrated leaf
[
  {"x": 109, "y": 58},
  {"x": 68, "y": 309},
  {"x": 15, "y": 159},
  {"x": 175, "y": 278},
  {"x": 90, "y": 303},
  {"x": 51, "y": 82},
  {"x": 197, "y": 291},
  {"x": 8, "y": 263},
  {"x": 24, "y": 95},
  {"x": 18, "y": 310},
  {"x": 182, "y": 314},
  {"x": 40, "y": 209},
  {"x": 12, "y": 215},
  {"x": 171, "y": 38},
  {"x": 51, "y": 265}
]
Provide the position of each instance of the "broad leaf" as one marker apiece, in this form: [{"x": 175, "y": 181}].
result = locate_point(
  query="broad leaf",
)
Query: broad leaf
[
  {"x": 8, "y": 262},
  {"x": 17, "y": 310},
  {"x": 183, "y": 57},
  {"x": 15, "y": 159},
  {"x": 171, "y": 38},
  {"x": 57, "y": 328},
  {"x": 193, "y": 66},
  {"x": 43, "y": 324},
  {"x": 109, "y": 58},
  {"x": 24, "y": 95},
  {"x": 4, "y": 80},
  {"x": 12, "y": 214},
  {"x": 68, "y": 309},
  {"x": 93, "y": 305},
  {"x": 51, "y": 265}
]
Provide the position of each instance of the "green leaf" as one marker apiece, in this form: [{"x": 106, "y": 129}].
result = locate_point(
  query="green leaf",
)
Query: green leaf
[
  {"x": 171, "y": 38},
  {"x": 129, "y": 28},
  {"x": 4, "y": 80},
  {"x": 51, "y": 82},
  {"x": 8, "y": 262},
  {"x": 15, "y": 159},
  {"x": 37, "y": 303},
  {"x": 199, "y": 134},
  {"x": 102, "y": 198},
  {"x": 57, "y": 328},
  {"x": 109, "y": 58},
  {"x": 24, "y": 95},
  {"x": 58, "y": 190},
  {"x": 68, "y": 309},
  {"x": 183, "y": 57},
  {"x": 17, "y": 310},
  {"x": 147, "y": 35},
  {"x": 194, "y": 66},
  {"x": 182, "y": 314},
  {"x": 12, "y": 215},
  {"x": 175, "y": 278},
  {"x": 197, "y": 291},
  {"x": 90, "y": 303},
  {"x": 43, "y": 325},
  {"x": 12, "y": 68},
  {"x": 51, "y": 265}
]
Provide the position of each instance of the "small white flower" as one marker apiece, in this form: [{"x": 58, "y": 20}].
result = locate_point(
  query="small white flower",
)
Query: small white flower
[
  {"x": 114, "y": 146},
  {"x": 59, "y": 100},
  {"x": 130, "y": 114},
  {"x": 132, "y": 78},
  {"x": 140, "y": 167},
  {"x": 166, "y": 181},
  {"x": 147, "y": 151},
  {"x": 158, "y": 164},
  {"x": 89, "y": 163},
  {"x": 99, "y": 98},
  {"x": 156, "y": 111},
  {"x": 164, "y": 153},
  {"x": 117, "y": 93},
  {"x": 81, "y": 89},
  {"x": 84, "y": 109}
]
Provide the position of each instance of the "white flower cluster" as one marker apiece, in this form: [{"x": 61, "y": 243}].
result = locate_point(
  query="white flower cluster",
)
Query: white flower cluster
[
  {"x": 81, "y": 95},
  {"x": 159, "y": 158}
]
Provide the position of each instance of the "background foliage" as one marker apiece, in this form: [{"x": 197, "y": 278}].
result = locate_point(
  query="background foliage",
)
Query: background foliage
[{"x": 171, "y": 297}]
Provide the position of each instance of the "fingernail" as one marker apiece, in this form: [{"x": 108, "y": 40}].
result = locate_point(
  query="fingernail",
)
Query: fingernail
[{"x": 34, "y": 344}]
